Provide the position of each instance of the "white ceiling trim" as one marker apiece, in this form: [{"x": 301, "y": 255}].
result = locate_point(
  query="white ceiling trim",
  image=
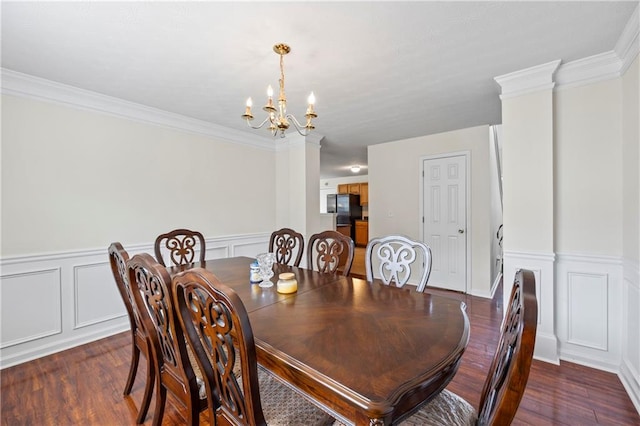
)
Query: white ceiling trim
[
  {"x": 593, "y": 69},
  {"x": 28, "y": 86},
  {"x": 601, "y": 67},
  {"x": 628, "y": 45},
  {"x": 596, "y": 68},
  {"x": 528, "y": 80}
]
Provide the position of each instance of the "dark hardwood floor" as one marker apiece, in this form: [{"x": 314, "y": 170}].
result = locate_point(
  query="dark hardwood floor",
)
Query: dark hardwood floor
[{"x": 83, "y": 385}]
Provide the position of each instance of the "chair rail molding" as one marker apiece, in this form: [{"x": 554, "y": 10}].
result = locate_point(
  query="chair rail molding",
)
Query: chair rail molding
[{"x": 78, "y": 299}]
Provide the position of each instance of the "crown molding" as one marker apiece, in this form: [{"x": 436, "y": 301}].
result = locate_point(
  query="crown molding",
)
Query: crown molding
[
  {"x": 528, "y": 80},
  {"x": 628, "y": 45},
  {"x": 28, "y": 86},
  {"x": 601, "y": 67}
]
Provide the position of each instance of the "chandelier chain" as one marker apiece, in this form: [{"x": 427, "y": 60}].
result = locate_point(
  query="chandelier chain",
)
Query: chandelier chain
[{"x": 282, "y": 95}]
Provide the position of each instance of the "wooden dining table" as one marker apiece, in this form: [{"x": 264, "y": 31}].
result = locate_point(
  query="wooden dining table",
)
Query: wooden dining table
[{"x": 368, "y": 352}]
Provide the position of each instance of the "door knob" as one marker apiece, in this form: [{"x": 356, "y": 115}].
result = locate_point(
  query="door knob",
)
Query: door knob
[{"x": 460, "y": 231}]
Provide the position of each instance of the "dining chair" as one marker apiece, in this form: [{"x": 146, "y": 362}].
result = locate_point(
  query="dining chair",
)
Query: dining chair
[
  {"x": 329, "y": 251},
  {"x": 182, "y": 246},
  {"x": 288, "y": 246},
  {"x": 218, "y": 329},
  {"x": 394, "y": 256},
  {"x": 508, "y": 373},
  {"x": 174, "y": 371},
  {"x": 118, "y": 258}
]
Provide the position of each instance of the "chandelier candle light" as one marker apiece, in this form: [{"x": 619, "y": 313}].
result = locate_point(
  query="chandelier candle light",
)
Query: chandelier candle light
[{"x": 278, "y": 119}]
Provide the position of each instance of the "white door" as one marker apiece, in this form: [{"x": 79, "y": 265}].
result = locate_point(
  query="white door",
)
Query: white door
[{"x": 445, "y": 217}]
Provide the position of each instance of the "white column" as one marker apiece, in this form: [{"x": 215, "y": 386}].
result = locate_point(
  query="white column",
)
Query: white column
[
  {"x": 527, "y": 120},
  {"x": 298, "y": 183}
]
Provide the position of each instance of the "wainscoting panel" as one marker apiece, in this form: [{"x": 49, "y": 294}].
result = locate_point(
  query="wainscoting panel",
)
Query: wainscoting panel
[
  {"x": 25, "y": 318},
  {"x": 56, "y": 301},
  {"x": 589, "y": 310},
  {"x": 587, "y": 301},
  {"x": 630, "y": 366},
  {"x": 249, "y": 248},
  {"x": 97, "y": 298},
  {"x": 217, "y": 252}
]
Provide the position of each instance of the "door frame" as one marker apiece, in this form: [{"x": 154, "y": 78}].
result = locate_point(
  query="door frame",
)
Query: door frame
[{"x": 468, "y": 230}]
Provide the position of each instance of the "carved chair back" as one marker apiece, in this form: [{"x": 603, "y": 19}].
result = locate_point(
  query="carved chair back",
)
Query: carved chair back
[
  {"x": 287, "y": 245},
  {"x": 118, "y": 258},
  {"x": 509, "y": 371},
  {"x": 330, "y": 250},
  {"x": 394, "y": 256},
  {"x": 168, "y": 346},
  {"x": 182, "y": 246},
  {"x": 218, "y": 329}
]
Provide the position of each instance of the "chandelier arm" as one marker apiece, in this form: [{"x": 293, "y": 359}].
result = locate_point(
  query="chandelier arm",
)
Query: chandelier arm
[
  {"x": 260, "y": 125},
  {"x": 298, "y": 126}
]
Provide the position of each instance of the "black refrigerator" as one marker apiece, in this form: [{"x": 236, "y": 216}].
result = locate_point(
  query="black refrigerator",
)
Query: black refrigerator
[{"x": 347, "y": 209}]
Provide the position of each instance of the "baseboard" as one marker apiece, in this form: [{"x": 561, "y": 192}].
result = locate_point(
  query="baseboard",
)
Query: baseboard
[
  {"x": 43, "y": 350},
  {"x": 547, "y": 348},
  {"x": 631, "y": 384}
]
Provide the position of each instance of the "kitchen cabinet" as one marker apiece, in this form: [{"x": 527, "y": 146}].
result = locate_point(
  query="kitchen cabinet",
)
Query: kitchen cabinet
[
  {"x": 361, "y": 189},
  {"x": 362, "y": 233},
  {"x": 364, "y": 193}
]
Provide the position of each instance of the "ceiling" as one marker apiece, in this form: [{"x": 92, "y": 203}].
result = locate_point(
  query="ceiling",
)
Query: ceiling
[{"x": 380, "y": 71}]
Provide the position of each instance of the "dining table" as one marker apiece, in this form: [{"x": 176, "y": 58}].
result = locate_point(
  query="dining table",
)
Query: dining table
[{"x": 369, "y": 353}]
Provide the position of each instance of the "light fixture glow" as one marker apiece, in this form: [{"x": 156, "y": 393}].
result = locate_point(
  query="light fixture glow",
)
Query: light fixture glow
[
  {"x": 355, "y": 169},
  {"x": 278, "y": 118}
]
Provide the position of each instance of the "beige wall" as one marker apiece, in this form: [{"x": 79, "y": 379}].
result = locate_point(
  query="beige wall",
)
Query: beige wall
[
  {"x": 588, "y": 164},
  {"x": 631, "y": 160},
  {"x": 394, "y": 192},
  {"x": 74, "y": 179},
  {"x": 528, "y": 172}
]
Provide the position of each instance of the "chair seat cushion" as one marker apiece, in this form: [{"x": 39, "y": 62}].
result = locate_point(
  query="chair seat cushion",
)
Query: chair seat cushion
[
  {"x": 282, "y": 405},
  {"x": 446, "y": 409}
]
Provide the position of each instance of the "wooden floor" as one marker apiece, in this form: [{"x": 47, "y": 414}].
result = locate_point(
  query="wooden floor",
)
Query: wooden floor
[{"x": 83, "y": 386}]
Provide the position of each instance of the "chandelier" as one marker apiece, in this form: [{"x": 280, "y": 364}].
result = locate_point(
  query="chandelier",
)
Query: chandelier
[{"x": 278, "y": 119}]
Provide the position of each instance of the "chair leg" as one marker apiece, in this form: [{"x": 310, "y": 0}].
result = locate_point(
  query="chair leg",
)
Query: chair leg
[
  {"x": 161, "y": 398},
  {"x": 193, "y": 413},
  {"x": 133, "y": 368},
  {"x": 148, "y": 392}
]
